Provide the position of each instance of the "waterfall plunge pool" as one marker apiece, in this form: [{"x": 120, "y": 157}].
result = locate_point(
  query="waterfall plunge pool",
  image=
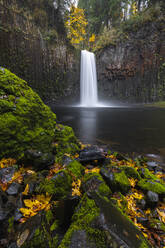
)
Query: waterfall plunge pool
[{"x": 127, "y": 130}]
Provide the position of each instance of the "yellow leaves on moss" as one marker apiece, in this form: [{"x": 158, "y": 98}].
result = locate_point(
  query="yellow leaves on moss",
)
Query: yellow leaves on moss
[
  {"x": 94, "y": 170},
  {"x": 54, "y": 169},
  {"x": 132, "y": 181},
  {"x": 34, "y": 205},
  {"x": 76, "y": 188},
  {"x": 7, "y": 162}
]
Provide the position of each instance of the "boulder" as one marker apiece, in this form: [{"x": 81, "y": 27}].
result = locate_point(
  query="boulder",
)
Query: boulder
[
  {"x": 90, "y": 154},
  {"x": 25, "y": 121}
]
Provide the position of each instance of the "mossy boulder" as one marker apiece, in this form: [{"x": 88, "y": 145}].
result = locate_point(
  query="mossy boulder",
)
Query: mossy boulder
[
  {"x": 94, "y": 182},
  {"x": 150, "y": 185},
  {"x": 116, "y": 179},
  {"x": 65, "y": 142},
  {"x": 82, "y": 232},
  {"x": 76, "y": 169},
  {"x": 131, "y": 172},
  {"x": 25, "y": 121},
  {"x": 59, "y": 186}
]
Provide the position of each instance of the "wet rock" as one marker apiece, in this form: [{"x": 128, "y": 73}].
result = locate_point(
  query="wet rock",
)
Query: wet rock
[
  {"x": 3, "y": 214},
  {"x": 152, "y": 198},
  {"x": 66, "y": 160},
  {"x": 17, "y": 215},
  {"x": 13, "y": 189},
  {"x": 90, "y": 154},
  {"x": 59, "y": 186},
  {"x": 38, "y": 159},
  {"x": 80, "y": 239},
  {"x": 6, "y": 174},
  {"x": 142, "y": 204},
  {"x": 152, "y": 165},
  {"x": 13, "y": 245},
  {"x": 115, "y": 179}
]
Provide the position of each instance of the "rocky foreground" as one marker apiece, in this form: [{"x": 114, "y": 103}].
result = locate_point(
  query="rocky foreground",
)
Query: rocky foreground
[{"x": 56, "y": 192}]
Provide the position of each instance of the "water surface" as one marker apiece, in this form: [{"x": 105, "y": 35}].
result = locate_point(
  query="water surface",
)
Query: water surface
[{"x": 128, "y": 130}]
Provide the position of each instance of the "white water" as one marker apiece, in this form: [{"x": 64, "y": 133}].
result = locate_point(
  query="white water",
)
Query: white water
[{"x": 88, "y": 80}]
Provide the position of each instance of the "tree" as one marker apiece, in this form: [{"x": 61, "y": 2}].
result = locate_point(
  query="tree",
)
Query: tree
[{"x": 76, "y": 25}]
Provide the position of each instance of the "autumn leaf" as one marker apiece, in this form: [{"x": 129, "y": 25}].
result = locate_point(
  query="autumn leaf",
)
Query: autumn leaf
[
  {"x": 132, "y": 181},
  {"x": 34, "y": 205},
  {"x": 161, "y": 214},
  {"x": 7, "y": 162},
  {"x": 76, "y": 188},
  {"x": 25, "y": 192},
  {"x": 94, "y": 170}
]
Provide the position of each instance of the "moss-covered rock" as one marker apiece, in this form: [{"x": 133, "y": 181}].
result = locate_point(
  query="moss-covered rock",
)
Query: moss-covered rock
[
  {"x": 42, "y": 231},
  {"x": 25, "y": 121},
  {"x": 149, "y": 185},
  {"x": 146, "y": 174},
  {"x": 94, "y": 182},
  {"x": 76, "y": 169},
  {"x": 84, "y": 216},
  {"x": 59, "y": 186},
  {"x": 116, "y": 179},
  {"x": 65, "y": 141},
  {"x": 131, "y": 172}
]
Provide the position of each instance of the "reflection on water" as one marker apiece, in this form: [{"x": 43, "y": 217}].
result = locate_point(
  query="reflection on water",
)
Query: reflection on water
[
  {"x": 124, "y": 129},
  {"x": 87, "y": 121}
]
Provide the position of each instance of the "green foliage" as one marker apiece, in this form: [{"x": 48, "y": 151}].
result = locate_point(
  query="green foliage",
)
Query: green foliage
[{"x": 107, "y": 37}]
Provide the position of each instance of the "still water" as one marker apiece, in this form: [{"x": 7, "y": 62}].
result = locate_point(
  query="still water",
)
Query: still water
[{"x": 128, "y": 130}]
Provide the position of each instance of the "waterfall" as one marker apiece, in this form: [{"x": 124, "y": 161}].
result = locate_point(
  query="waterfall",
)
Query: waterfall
[{"x": 88, "y": 80}]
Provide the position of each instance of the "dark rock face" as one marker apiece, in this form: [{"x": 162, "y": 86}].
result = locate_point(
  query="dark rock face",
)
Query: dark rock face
[
  {"x": 129, "y": 70},
  {"x": 51, "y": 70}
]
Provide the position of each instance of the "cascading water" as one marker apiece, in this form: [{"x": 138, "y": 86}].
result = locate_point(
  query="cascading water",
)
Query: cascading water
[{"x": 88, "y": 80}]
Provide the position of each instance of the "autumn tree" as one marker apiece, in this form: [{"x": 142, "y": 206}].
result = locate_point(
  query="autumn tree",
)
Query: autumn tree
[{"x": 76, "y": 25}]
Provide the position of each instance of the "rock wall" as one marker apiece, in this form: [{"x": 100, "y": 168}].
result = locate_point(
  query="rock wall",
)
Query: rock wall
[
  {"x": 132, "y": 69},
  {"x": 51, "y": 70}
]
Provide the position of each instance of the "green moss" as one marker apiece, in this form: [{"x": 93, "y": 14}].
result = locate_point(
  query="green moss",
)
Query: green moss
[
  {"x": 65, "y": 142},
  {"x": 146, "y": 174},
  {"x": 83, "y": 218},
  {"x": 90, "y": 175},
  {"x": 104, "y": 190},
  {"x": 157, "y": 224},
  {"x": 131, "y": 172},
  {"x": 147, "y": 185},
  {"x": 59, "y": 186},
  {"x": 49, "y": 216},
  {"x": 25, "y": 121},
  {"x": 54, "y": 226},
  {"x": 121, "y": 182},
  {"x": 76, "y": 169},
  {"x": 11, "y": 224},
  {"x": 143, "y": 244}
]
